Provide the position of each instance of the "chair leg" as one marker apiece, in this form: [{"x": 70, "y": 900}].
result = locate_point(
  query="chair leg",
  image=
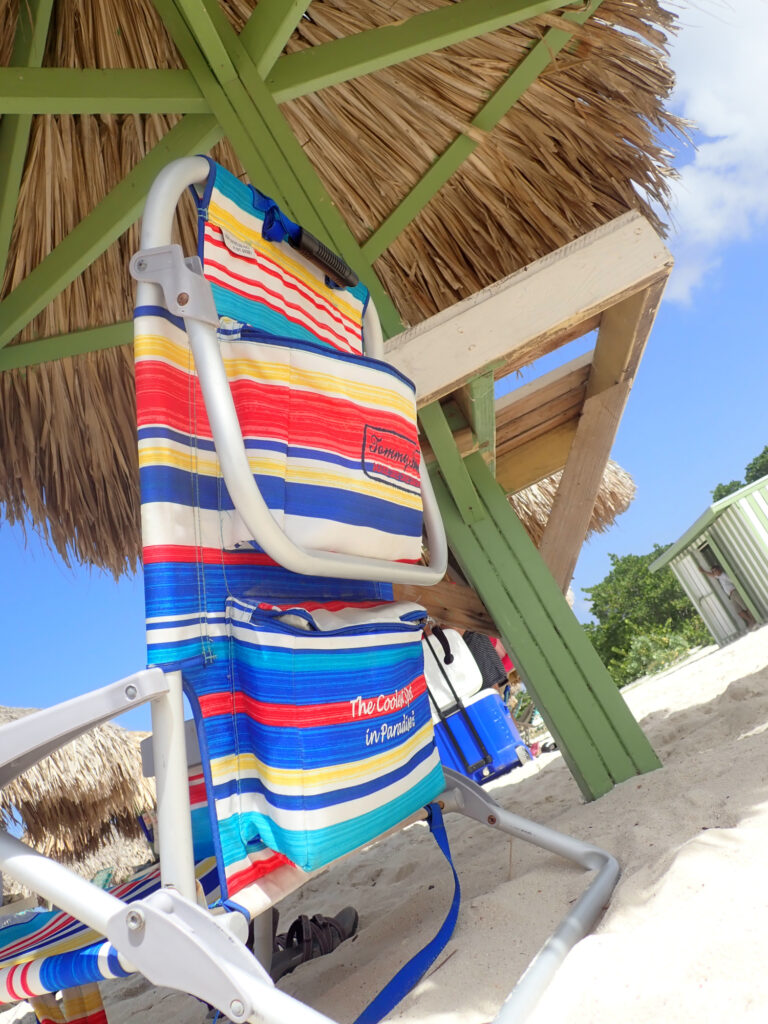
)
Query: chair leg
[{"x": 466, "y": 797}]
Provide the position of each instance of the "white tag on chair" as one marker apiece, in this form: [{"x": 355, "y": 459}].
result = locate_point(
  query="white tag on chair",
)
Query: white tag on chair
[{"x": 237, "y": 246}]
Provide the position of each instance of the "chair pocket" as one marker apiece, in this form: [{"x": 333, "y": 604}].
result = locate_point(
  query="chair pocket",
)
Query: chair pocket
[{"x": 332, "y": 724}]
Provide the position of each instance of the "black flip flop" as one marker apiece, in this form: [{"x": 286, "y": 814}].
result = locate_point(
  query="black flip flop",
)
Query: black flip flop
[{"x": 311, "y": 937}]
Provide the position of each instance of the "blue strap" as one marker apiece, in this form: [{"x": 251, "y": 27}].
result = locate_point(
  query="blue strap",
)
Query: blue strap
[{"x": 418, "y": 965}]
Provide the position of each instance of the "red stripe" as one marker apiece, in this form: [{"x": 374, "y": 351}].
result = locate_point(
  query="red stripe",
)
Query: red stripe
[
  {"x": 264, "y": 265},
  {"x": 191, "y": 555},
  {"x": 257, "y": 869},
  {"x": 325, "y": 422},
  {"x": 300, "y": 716},
  {"x": 324, "y": 333},
  {"x": 214, "y": 236}
]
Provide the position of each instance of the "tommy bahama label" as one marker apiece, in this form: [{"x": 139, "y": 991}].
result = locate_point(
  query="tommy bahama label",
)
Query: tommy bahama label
[{"x": 391, "y": 458}]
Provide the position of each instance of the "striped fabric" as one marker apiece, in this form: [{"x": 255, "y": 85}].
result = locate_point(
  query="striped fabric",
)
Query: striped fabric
[
  {"x": 48, "y": 950},
  {"x": 332, "y": 439},
  {"x": 329, "y": 717}
]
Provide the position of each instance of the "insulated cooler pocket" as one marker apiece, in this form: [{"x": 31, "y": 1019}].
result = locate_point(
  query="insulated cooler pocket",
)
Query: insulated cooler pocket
[{"x": 332, "y": 724}]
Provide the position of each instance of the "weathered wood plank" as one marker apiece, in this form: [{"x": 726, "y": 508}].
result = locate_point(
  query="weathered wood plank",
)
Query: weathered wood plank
[
  {"x": 538, "y": 458},
  {"x": 582, "y": 476},
  {"x": 522, "y": 317}
]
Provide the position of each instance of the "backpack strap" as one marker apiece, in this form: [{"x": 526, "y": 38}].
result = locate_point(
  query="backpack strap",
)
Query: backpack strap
[{"x": 412, "y": 972}]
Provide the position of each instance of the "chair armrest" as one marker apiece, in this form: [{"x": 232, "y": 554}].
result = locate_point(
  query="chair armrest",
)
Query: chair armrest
[{"x": 28, "y": 740}]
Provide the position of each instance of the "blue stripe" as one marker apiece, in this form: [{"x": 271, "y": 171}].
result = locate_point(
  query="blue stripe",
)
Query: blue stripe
[
  {"x": 317, "y": 801},
  {"x": 162, "y": 312},
  {"x": 331, "y": 504},
  {"x": 312, "y": 848}
]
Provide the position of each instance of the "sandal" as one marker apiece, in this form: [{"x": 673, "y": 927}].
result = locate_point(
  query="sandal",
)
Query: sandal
[{"x": 309, "y": 938}]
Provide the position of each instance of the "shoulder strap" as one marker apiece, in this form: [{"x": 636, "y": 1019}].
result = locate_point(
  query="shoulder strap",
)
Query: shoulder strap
[{"x": 419, "y": 964}]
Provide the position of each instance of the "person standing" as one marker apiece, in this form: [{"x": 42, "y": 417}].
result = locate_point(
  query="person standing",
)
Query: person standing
[{"x": 730, "y": 591}]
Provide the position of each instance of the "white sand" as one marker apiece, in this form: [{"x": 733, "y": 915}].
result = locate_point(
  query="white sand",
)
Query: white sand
[{"x": 685, "y": 938}]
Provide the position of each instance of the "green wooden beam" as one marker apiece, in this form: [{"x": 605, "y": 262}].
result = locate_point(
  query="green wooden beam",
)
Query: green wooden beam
[
  {"x": 600, "y": 740},
  {"x": 338, "y": 61},
  {"x": 76, "y": 343},
  {"x": 581, "y": 756},
  {"x": 477, "y": 400},
  {"x": 300, "y": 190},
  {"x": 28, "y": 48},
  {"x": 438, "y": 431},
  {"x": 103, "y": 225},
  {"x": 269, "y": 28},
  {"x": 505, "y": 97},
  {"x": 109, "y": 91}
]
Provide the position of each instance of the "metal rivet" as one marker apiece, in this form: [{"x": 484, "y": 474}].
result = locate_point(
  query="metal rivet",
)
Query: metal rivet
[
  {"x": 492, "y": 819},
  {"x": 236, "y": 1008},
  {"x": 135, "y": 920},
  {"x": 141, "y": 264},
  {"x": 182, "y": 298},
  {"x": 131, "y": 692}
]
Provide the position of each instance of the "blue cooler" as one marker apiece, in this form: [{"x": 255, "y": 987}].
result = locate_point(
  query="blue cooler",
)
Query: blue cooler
[{"x": 481, "y": 740}]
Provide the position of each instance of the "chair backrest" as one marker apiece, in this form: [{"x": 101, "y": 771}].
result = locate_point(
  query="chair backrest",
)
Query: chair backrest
[{"x": 306, "y": 419}]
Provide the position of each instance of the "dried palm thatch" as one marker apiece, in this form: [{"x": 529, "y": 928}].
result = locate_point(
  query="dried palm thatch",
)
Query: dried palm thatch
[
  {"x": 533, "y": 504},
  {"x": 82, "y": 796},
  {"x": 577, "y": 150}
]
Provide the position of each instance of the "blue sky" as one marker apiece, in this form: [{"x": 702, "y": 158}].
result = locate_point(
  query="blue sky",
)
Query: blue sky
[{"x": 696, "y": 416}]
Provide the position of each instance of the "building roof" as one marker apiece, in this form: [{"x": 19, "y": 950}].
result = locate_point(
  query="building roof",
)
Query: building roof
[{"x": 703, "y": 523}]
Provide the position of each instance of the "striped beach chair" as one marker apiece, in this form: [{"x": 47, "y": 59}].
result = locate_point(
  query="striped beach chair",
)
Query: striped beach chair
[{"x": 283, "y": 493}]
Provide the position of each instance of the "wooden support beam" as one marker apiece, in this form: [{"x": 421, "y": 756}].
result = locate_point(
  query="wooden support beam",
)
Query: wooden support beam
[
  {"x": 103, "y": 91},
  {"x": 269, "y": 28},
  {"x": 59, "y": 346},
  {"x": 318, "y": 67},
  {"x": 542, "y": 53},
  {"x": 533, "y": 461},
  {"x": 621, "y": 340},
  {"x": 32, "y": 24},
  {"x": 582, "y": 476},
  {"x": 435, "y": 426},
  {"x": 620, "y": 344},
  {"x": 103, "y": 225},
  {"x": 529, "y": 313},
  {"x": 451, "y": 604},
  {"x": 476, "y": 401},
  {"x": 600, "y": 740},
  {"x": 571, "y": 376}
]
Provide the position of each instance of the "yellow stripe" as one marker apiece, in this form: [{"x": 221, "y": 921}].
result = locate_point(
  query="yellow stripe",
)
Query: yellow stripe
[
  {"x": 159, "y": 347},
  {"x": 206, "y": 464},
  {"x": 224, "y": 768},
  {"x": 222, "y": 218}
]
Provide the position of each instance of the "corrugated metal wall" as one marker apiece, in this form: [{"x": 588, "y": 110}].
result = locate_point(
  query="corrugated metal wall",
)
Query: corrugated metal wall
[
  {"x": 741, "y": 532},
  {"x": 709, "y": 602},
  {"x": 738, "y": 538}
]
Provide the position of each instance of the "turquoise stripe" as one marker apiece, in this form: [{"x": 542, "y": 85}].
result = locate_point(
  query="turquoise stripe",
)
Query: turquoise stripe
[{"x": 312, "y": 849}]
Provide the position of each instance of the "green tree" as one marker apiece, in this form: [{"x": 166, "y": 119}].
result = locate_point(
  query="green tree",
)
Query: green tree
[
  {"x": 757, "y": 467},
  {"x": 632, "y": 602},
  {"x": 723, "y": 490}
]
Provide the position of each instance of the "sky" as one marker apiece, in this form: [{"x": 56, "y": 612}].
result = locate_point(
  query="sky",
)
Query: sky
[{"x": 696, "y": 416}]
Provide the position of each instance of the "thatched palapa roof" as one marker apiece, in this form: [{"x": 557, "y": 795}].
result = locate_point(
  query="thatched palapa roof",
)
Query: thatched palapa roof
[
  {"x": 85, "y": 795},
  {"x": 579, "y": 148}
]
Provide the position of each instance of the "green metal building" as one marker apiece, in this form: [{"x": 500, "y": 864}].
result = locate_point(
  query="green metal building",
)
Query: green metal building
[{"x": 732, "y": 533}]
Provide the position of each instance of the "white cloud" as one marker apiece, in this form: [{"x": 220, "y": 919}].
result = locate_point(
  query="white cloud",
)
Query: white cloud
[{"x": 722, "y": 85}]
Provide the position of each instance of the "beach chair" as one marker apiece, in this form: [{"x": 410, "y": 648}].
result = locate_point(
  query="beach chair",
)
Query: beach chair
[{"x": 282, "y": 494}]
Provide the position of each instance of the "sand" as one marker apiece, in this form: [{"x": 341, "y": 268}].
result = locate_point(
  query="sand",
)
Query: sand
[{"x": 685, "y": 938}]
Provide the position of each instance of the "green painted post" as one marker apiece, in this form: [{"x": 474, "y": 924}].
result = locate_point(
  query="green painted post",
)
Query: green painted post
[
  {"x": 600, "y": 740},
  {"x": 29, "y": 45},
  {"x": 318, "y": 67}
]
